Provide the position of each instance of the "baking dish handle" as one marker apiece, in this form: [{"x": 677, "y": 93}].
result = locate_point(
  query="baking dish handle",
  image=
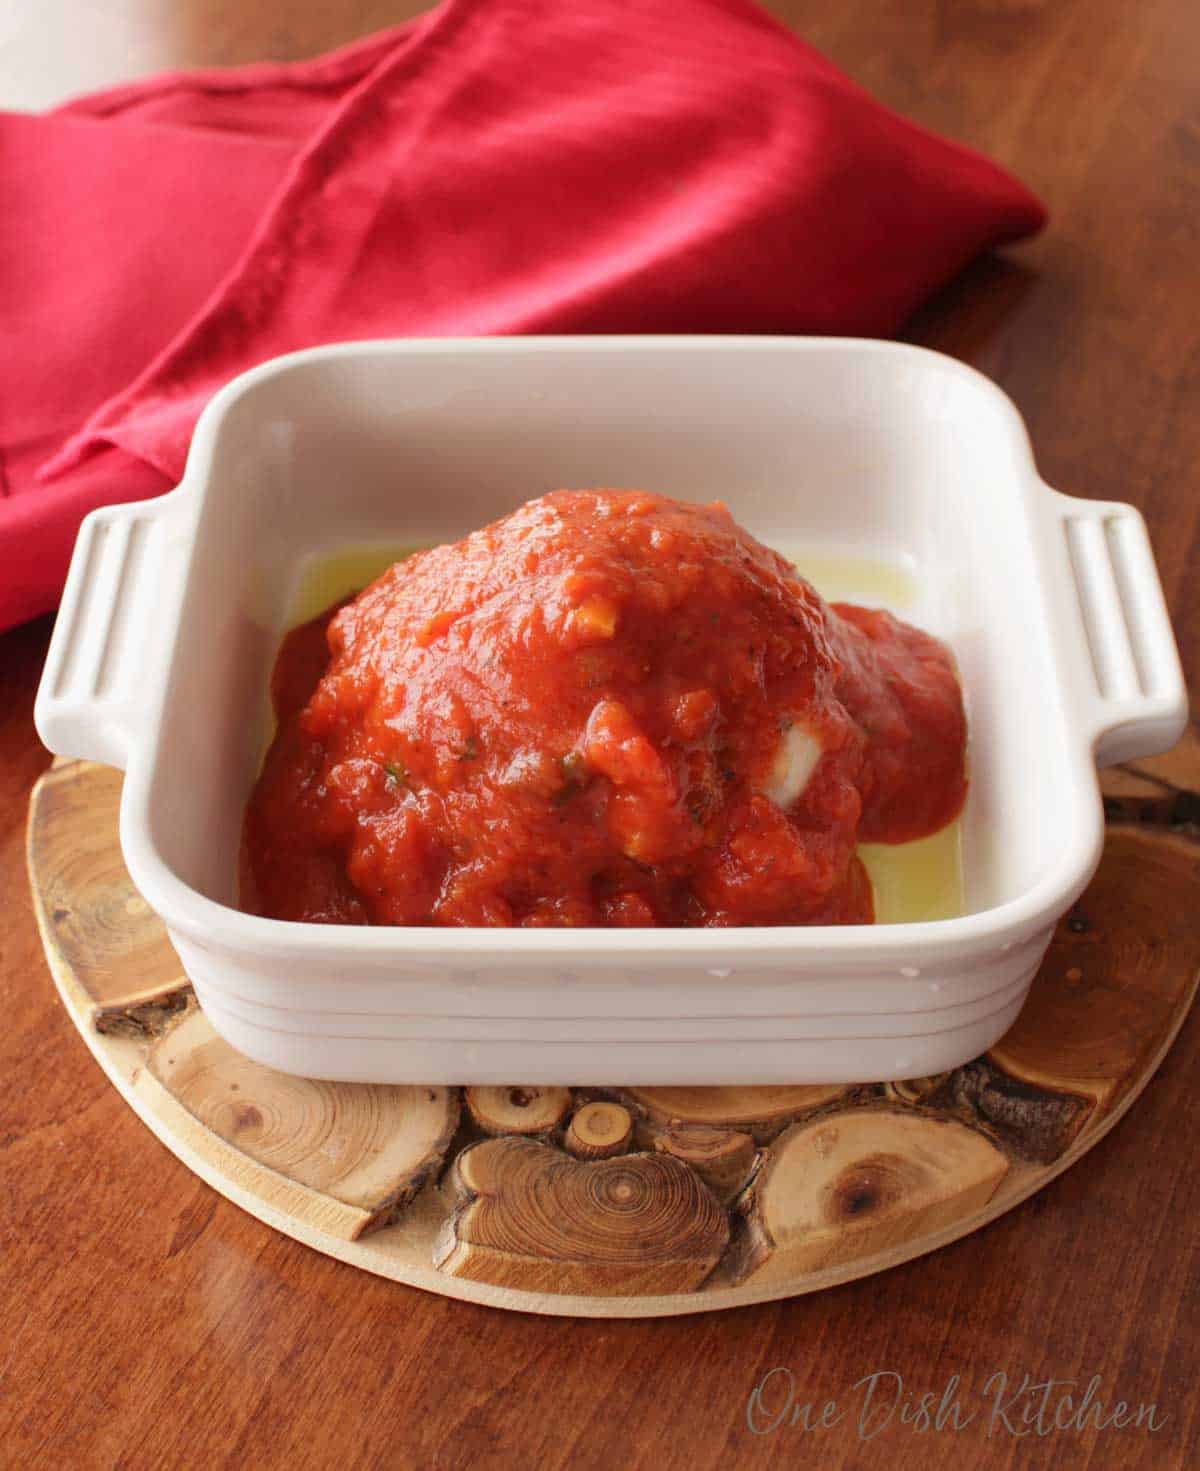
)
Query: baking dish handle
[
  {"x": 100, "y": 667},
  {"x": 1124, "y": 665}
]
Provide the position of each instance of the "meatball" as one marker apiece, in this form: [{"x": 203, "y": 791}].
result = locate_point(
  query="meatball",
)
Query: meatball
[{"x": 608, "y": 708}]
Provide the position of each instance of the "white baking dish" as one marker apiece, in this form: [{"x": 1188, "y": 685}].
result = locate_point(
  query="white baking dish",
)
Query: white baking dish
[{"x": 174, "y": 609}]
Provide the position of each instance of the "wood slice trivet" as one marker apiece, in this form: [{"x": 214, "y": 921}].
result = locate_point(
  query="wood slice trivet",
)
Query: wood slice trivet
[{"x": 662, "y": 1200}]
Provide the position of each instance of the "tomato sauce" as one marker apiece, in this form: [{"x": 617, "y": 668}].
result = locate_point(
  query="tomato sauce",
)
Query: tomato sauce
[{"x": 608, "y": 708}]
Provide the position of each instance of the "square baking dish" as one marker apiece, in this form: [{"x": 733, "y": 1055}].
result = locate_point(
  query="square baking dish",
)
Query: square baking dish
[{"x": 174, "y": 609}]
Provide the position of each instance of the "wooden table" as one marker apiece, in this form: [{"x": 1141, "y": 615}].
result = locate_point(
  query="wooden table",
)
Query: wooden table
[{"x": 148, "y": 1322}]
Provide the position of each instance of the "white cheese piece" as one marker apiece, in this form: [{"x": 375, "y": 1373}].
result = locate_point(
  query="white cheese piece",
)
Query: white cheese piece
[{"x": 795, "y": 761}]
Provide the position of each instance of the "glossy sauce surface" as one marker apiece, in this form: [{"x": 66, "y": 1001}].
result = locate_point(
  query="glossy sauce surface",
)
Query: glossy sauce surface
[{"x": 608, "y": 708}]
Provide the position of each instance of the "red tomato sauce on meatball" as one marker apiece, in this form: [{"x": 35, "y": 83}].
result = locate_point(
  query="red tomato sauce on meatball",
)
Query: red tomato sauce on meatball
[{"x": 608, "y": 708}]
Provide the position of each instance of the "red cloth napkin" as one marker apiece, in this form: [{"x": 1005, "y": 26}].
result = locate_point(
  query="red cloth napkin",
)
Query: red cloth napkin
[{"x": 495, "y": 166}]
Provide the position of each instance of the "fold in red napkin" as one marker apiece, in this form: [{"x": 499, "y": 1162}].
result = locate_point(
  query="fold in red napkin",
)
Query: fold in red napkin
[{"x": 495, "y": 166}]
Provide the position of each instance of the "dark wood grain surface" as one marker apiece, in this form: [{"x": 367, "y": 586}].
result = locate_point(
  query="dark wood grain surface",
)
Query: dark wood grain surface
[{"x": 145, "y": 1321}]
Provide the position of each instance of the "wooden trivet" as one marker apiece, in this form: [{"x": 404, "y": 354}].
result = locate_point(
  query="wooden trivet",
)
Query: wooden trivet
[{"x": 637, "y": 1202}]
